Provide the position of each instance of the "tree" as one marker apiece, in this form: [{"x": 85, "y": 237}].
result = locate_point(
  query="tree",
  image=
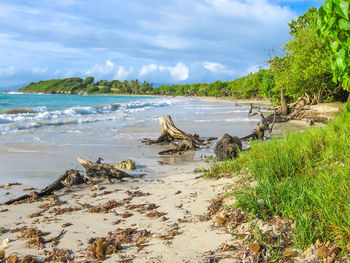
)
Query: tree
[
  {"x": 334, "y": 28},
  {"x": 309, "y": 66},
  {"x": 88, "y": 80}
]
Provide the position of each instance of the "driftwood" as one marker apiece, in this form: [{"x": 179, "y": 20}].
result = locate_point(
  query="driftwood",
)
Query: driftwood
[
  {"x": 172, "y": 135},
  {"x": 261, "y": 128},
  {"x": 70, "y": 177},
  {"x": 227, "y": 147},
  {"x": 98, "y": 169}
]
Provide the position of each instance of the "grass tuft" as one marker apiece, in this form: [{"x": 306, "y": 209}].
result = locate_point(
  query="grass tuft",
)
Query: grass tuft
[{"x": 304, "y": 177}]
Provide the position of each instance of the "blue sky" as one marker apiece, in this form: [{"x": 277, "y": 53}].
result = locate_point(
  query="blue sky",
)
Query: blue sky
[{"x": 178, "y": 41}]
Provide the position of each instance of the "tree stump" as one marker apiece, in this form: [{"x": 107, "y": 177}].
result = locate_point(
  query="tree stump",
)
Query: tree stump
[
  {"x": 172, "y": 135},
  {"x": 227, "y": 147},
  {"x": 94, "y": 169}
]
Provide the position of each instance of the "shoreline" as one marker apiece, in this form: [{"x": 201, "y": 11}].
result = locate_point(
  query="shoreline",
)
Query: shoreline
[{"x": 179, "y": 235}]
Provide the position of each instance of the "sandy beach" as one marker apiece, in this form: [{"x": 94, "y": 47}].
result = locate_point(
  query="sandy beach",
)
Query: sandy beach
[
  {"x": 160, "y": 217},
  {"x": 169, "y": 208}
]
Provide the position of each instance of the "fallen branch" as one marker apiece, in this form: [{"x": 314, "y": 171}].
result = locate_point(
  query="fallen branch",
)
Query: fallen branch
[{"x": 58, "y": 184}]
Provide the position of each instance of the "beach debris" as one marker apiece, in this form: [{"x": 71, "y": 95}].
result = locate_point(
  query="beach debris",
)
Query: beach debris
[
  {"x": 255, "y": 248},
  {"x": 127, "y": 164},
  {"x": 3, "y": 230},
  {"x": 228, "y": 147},
  {"x": 137, "y": 193},
  {"x": 3, "y": 210},
  {"x": 29, "y": 189},
  {"x": 103, "y": 208},
  {"x": 172, "y": 135},
  {"x": 23, "y": 259},
  {"x": 101, "y": 247},
  {"x": 215, "y": 206},
  {"x": 60, "y": 211},
  {"x": 105, "y": 170},
  {"x": 59, "y": 255},
  {"x": 58, "y": 184},
  {"x": 8, "y": 185},
  {"x": 2, "y": 254},
  {"x": 155, "y": 214},
  {"x": 5, "y": 242},
  {"x": 261, "y": 128}
]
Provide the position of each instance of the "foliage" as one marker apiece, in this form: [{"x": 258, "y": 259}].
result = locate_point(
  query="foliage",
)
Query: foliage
[
  {"x": 334, "y": 28},
  {"x": 241, "y": 88},
  {"x": 70, "y": 85},
  {"x": 304, "y": 177},
  {"x": 79, "y": 86},
  {"x": 305, "y": 66}
]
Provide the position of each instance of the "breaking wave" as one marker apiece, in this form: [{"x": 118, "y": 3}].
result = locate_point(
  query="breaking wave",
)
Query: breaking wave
[{"x": 15, "y": 119}]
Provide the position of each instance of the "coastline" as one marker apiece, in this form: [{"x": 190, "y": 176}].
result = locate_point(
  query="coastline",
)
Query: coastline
[{"x": 182, "y": 236}]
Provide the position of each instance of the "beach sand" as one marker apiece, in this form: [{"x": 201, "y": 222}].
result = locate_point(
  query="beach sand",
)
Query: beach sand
[
  {"x": 182, "y": 195},
  {"x": 170, "y": 202}
]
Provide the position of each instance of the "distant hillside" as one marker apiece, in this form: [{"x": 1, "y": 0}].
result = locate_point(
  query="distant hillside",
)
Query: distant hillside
[{"x": 88, "y": 86}]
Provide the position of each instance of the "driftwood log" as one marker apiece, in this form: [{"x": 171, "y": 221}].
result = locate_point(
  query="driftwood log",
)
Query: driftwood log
[
  {"x": 172, "y": 135},
  {"x": 70, "y": 177},
  {"x": 228, "y": 147},
  {"x": 105, "y": 170}
]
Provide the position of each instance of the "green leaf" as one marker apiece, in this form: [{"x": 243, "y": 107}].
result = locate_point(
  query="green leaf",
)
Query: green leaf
[
  {"x": 339, "y": 11},
  {"x": 340, "y": 59},
  {"x": 327, "y": 6},
  {"x": 335, "y": 45},
  {"x": 344, "y": 6},
  {"x": 322, "y": 13},
  {"x": 344, "y": 24},
  {"x": 331, "y": 22}
]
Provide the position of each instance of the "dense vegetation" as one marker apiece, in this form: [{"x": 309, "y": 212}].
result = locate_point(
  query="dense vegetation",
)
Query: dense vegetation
[
  {"x": 88, "y": 86},
  {"x": 334, "y": 28},
  {"x": 304, "y": 177}
]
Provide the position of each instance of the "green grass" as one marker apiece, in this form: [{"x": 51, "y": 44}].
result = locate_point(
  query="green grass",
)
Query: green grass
[{"x": 304, "y": 177}]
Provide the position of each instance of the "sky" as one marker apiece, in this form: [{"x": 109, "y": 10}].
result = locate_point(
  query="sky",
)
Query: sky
[{"x": 167, "y": 42}]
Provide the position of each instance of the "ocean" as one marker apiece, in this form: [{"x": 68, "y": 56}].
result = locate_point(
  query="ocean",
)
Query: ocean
[{"x": 41, "y": 135}]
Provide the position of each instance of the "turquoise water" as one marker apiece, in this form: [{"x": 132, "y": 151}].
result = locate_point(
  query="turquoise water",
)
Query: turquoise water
[
  {"x": 59, "y": 102},
  {"x": 41, "y": 135}
]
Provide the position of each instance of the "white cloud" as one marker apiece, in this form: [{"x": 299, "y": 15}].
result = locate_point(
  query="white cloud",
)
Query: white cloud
[
  {"x": 123, "y": 73},
  {"x": 179, "y": 72},
  {"x": 109, "y": 64},
  {"x": 213, "y": 66},
  {"x": 39, "y": 70},
  {"x": 217, "y": 68},
  {"x": 9, "y": 71},
  {"x": 101, "y": 69},
  {"x": 227, "y": 35},
  {"x": 145, "y": 70},
  {"x": 253, "y": 69}
]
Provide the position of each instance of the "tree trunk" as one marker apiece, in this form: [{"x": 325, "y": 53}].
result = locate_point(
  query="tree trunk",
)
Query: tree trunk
[
  {"x": 73, "y": 176},
  {"x": 171, "y": 134},
  {"x": 94, "y": 169},
  {"x": 284, "y": 108}
]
